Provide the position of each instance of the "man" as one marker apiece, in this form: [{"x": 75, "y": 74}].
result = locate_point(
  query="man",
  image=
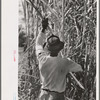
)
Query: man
[{"x": 53, "y": 69}]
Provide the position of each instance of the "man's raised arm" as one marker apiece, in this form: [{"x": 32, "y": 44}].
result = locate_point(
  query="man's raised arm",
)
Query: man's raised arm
[
  {"x": 41, "y": 37},
  {"x": 39, "y": 42}
]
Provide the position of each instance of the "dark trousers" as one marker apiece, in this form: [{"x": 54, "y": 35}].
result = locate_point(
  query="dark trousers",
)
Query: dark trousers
[{"x": 50, "y": 95}]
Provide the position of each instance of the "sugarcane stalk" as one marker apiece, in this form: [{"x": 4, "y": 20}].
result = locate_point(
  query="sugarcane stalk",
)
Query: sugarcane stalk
[
  {"x": 62, "y": 36},
  {"x": 76, "y": 80}
]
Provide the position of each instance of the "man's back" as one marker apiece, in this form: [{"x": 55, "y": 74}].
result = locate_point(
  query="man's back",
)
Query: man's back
[{"x": 53, "y": 73}]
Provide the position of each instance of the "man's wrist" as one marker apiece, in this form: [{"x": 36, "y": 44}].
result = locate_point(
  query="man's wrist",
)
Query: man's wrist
[{"x": 43, "y": 31}]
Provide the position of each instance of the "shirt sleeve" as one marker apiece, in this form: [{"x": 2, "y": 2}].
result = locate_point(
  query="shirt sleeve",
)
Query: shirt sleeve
[
  {"x": 40, "y": 53},
  {"x": 74, "y": 67},
  {"x": 39, "y": 43}
]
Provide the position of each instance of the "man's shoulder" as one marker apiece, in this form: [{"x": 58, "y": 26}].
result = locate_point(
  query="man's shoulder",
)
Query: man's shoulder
[
  {"x": 60, "y": 59},
  {"x": 42, "y": 57}
]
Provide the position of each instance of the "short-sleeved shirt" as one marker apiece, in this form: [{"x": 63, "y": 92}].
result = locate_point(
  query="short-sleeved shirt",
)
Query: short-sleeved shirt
[{"x": 53, "y": 70}]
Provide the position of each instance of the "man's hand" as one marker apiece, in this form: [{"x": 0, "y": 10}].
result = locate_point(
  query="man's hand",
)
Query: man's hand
[{"x": 44, "y": 24}]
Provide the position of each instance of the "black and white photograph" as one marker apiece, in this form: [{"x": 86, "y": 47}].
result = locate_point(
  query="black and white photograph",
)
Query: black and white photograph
[{"x": 57, "y": 49}]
